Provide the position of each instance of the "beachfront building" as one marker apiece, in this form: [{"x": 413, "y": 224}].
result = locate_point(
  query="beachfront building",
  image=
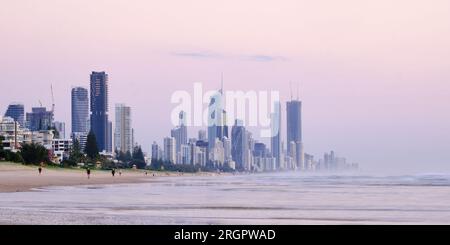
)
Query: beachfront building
[
  {"x": 169, "y": 150},
  {"x": 13, "y": 135},
  {"x": 123, "y": 141},
  {"x": 156, "y": 152},
  {"x": 81, "y": 137},
  {"x": 61, "y": 149},
  {"x": 43, "y": 137},
  {"x": 16, "y": 111}
]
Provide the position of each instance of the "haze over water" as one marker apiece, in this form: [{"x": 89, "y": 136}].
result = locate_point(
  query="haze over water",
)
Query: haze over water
[{"x": 278, "y": 198}]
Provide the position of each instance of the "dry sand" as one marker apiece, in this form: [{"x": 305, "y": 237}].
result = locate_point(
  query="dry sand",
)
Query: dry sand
[{"x": 15, "y": 177}]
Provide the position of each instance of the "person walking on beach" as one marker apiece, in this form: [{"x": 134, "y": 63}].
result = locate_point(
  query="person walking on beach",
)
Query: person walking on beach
[
  {"x": 113, "y": 172},
  {"x": 120, "y": 173},
  {"x": 40, "y": 170},
  {"x": 88, "y": 172}
]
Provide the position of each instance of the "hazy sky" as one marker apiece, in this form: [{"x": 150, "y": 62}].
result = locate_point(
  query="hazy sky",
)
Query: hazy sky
[{"x": 375, "y": 75}]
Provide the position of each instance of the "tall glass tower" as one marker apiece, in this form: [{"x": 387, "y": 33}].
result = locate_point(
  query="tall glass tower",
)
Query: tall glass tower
[
  {"x": 239, "y": 144},
  {"x": 80, "y": 110},
  {"x": 294, "y": 128},
  {"x": 99, "y": 109},
  {"x": 275, "y": 140}
]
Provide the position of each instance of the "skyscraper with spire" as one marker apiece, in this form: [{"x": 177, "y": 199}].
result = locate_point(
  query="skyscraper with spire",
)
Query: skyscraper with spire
[
  {"x": 180, "y": 132},
  {"x": 217, "y": 127}
]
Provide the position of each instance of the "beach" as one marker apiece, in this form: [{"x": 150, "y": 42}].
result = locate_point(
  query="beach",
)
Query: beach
[
  {"x": 16, "y": 177},
  {"x": 283, "y": 198}
]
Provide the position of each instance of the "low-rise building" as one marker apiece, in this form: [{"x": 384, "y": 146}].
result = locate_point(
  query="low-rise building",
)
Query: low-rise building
[{"x": 61, "y": 149}]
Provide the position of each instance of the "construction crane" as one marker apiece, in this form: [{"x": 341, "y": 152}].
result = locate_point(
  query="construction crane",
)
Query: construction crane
[{"x": 53, "y": 98}]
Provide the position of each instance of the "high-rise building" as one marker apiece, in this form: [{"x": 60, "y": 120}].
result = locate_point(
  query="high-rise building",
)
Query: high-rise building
[
  {"x": 217, "y": 153},
  {"x": 202, "y": 135},
  {"x": 227, "y": 149},
  {"x": 249, "y": 159},
  {"x": 169, "y": 150},
  {"x": 80, "y": 110},
  {"x": 260, "y": 150},
  {"x": 16, "y": 111},
  {"x": 275, "y": 140},
  {"x": 294, "y": 128},
  {"x": 293, "y": 154},
  {"x": 39, "y": 119},
  {"x": 109, "y": 137},
  {"x": 180, "y": 132},
  {"x": 300, "y": 156},
  {"x": 216, "y": 119},
  {"x": 99, "y": 109},
  {"x": 123, "y": 132},
  {"x": 202, "y": 152},
  {"x": 239, "y": 144},
  {"x": 155, "y": 152},
  {"x": 185, "y": 154}
]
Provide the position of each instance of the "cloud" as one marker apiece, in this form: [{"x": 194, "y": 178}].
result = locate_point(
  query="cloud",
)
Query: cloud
[
  {"x": 214, "y": 55},
  {"x": 198, "y": 54},
  {"x": 264, "y": 58}
]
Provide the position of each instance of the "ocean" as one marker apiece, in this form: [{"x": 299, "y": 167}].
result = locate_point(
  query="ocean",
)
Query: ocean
[{"x": 275, "y": 198}]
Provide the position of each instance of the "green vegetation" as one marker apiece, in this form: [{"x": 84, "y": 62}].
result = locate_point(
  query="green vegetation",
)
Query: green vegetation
[
  {"x": 128, "y": 160},
  {"x": 76, "y": 156},
  {"x": 123, "y": 157},
  {"x": 138, "y": 158},
  {"x": 91, "y": 146},
  {"x": 10, "y": 156},
  {"x": 34, "y": 154}
]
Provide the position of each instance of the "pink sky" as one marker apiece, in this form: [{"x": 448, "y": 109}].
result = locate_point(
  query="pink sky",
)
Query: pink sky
[{"x": 375, "y": 75}]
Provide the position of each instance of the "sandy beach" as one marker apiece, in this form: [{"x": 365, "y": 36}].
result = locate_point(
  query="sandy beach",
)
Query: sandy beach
[{"x": 16, "y": 177}]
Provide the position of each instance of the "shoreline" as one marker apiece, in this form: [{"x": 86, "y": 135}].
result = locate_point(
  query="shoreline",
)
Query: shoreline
[{"x": 16, "y": 177}]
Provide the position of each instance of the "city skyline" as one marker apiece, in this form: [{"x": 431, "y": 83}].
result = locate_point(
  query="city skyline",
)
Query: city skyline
[{"x": 379, "y": 111}]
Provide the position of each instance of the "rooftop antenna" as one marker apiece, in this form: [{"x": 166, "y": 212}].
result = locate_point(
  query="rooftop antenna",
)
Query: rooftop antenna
[
  {"x": 221, "y": 83},
  {"x": 290, "y": 87}
]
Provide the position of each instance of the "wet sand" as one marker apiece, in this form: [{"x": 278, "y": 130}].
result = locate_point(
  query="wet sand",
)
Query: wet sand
[{"x": 17, "y": 177}]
